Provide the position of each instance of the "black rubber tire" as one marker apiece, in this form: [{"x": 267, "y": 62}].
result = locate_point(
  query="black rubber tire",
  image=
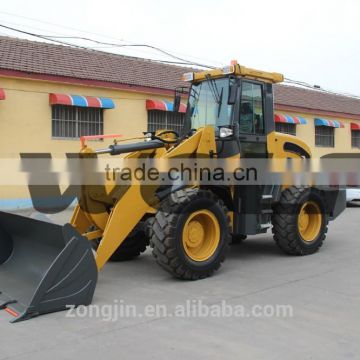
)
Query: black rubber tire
[
  {"x": 238, "y": 239},
  {"x": 285, "y": 221},
  {"x": 166, "y": 238},
  {"x": 133, "y": 246}
]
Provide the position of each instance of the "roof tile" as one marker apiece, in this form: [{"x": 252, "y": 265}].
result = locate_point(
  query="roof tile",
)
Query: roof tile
[{"x": 48, "y": 59}]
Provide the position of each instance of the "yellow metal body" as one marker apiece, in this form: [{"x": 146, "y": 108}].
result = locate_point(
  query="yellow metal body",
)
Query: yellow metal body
[
  {"x": 276, "y": 142},
  {"x": 110, "y": 219},
  {"x": 113, "y": 227},
  {"x": 309, "y": 221},
  {"x": 276, "y": 151},
  {"x": 238, "y": 70},
  {"x": 201, "y": 235}
]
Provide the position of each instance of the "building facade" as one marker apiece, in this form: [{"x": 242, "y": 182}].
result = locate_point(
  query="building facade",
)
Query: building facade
[{"x": 50, "y": 95}]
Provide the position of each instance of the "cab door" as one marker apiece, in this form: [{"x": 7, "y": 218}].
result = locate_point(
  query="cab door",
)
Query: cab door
[
  {"x": 252, "y": 129},
  {"x": 255, "y": 117}
]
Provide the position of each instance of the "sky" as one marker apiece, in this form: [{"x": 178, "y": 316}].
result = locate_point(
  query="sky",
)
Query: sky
[{"x": 315, "y": 41}]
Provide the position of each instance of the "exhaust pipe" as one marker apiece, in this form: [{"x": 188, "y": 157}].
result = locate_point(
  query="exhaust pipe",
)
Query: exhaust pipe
[{"x": 44, "y": 267}]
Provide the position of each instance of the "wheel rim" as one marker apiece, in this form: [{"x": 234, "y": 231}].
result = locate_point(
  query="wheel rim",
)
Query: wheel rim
[
  {"x": 309, "y": 221},
  {"x": 201, "y": 235}
]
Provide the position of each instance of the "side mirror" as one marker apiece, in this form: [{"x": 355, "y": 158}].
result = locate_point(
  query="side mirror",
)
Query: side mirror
[
  {"x": 177, "y": 98},
  {"x": 177, "y": 102},
  {"x": 233, "y": 89}
]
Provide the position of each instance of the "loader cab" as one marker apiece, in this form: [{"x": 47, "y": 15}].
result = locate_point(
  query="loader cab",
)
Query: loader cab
[{"x": 241, "y": 110}]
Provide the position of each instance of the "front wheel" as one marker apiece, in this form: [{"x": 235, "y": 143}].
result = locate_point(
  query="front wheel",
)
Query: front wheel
[
  {"x": 299, "y": 221},
  {"x": 191, "y": 234}
]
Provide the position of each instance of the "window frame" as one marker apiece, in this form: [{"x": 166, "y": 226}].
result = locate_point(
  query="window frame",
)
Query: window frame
[
  {"x": 168, "y": 120},
  {"x": 355, "y": 137},
  {"x": 94, "y": 117},
  {"x": 322, "y": 136},
  {"x": 289, "y": 125}
]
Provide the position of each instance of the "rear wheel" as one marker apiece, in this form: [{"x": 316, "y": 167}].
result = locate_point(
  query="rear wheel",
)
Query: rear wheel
[
  {"x": 133, "y": 246},
  {"x": 299, "y": 221},
  {"x": 191, "y": 234}
]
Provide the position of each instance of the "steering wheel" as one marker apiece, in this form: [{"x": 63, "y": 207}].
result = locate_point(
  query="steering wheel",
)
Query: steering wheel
[{"x": 157, "y": 137}]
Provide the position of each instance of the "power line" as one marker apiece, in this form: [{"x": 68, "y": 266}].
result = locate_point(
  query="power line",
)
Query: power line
[
  {"x": 47, "y": 38},
  {"x": 6, "y": 22},
  {"x": 180, "y": 60},
  {"x": 59, "y": 37},
  {"x": 97, "y": 34},
  {"x": 128, "y": 45},
  {"x": 319, "y": 89},
  {"x": 54, "y": 39},
  {"x": 41, "y": 36}
]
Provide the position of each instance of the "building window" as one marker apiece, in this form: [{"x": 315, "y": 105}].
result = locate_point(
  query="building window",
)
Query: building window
[
  {"x": 286, "y": 128},
  {"x": 160, "y": 120},
  {"x": 71, "y": 122},
  {"x": 355, "y": 138},
  {"x": 324, "y": 136}
]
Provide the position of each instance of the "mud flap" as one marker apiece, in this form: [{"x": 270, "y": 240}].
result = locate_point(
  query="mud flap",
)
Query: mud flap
[{"x": 44, "y": 267}]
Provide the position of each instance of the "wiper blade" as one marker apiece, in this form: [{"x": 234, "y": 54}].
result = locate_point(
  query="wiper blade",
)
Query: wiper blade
[
  {"x": 218, "y": 97},
  {"x": 220, "y": 101},
  {"x": 214, "y": 89},
  {"x": 196, "y": 95}
]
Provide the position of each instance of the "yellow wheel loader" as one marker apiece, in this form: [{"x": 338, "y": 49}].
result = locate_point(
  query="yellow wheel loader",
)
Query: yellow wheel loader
[{"x": 46, "y": 267}]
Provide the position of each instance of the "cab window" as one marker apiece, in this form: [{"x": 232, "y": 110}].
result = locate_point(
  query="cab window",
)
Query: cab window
[{"x": 251, "y": 109}]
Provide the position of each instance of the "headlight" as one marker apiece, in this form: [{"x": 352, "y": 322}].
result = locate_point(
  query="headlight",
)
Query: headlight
[
  {"x": 148, "y": 136},
  {"x": 228, "y": 69},
  {"x": 226, "y": 132},
  {"x": 188, "y": 77}
]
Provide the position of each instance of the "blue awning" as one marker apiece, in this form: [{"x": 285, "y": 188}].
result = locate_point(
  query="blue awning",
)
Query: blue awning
[
  {"x": 287, "y": 119},
  {"x": 83, "y": 101},
  {"x": 330, "y": 123}
]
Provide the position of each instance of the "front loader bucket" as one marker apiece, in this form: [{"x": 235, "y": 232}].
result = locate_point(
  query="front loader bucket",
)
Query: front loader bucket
[{"x": 44, "y": 267}]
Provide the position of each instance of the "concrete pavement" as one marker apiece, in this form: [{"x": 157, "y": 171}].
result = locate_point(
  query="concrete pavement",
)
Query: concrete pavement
[{"x": 323, "y": 290}]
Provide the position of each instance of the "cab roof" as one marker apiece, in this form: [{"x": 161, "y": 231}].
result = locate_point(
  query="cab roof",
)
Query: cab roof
[{"x": 237, "y": 70}]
